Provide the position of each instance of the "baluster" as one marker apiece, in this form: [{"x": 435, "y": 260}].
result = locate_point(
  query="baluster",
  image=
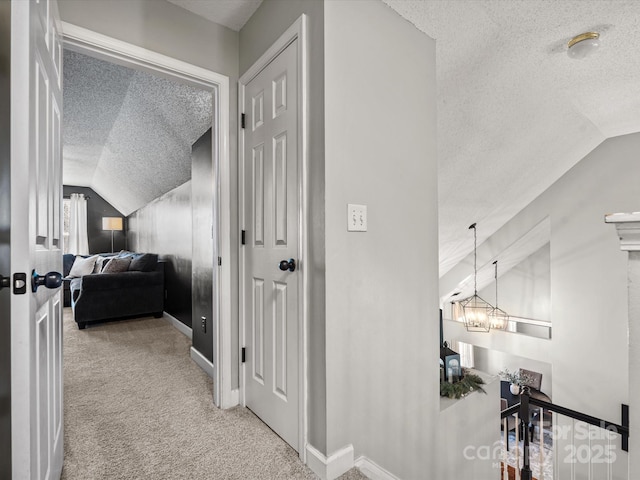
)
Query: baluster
[
  {"x": 556, "y": 466},
  {"x": 609, "y": 463},
  {"x": 526, "y": 419},
  {"x": 517, "y": 446},
  {"x": 541, "y": 435},
  {"x": 573, "y": 448},
  {"x": 590, "y": 467},
  {"x": 505, "y": 444}
]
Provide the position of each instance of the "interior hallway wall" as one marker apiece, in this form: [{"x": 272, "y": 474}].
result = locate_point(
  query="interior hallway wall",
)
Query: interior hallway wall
[{"x": 382, "y": 315}]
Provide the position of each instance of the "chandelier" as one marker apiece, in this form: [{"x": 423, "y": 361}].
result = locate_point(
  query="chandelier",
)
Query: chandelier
[{"x": 475, "y": 310}]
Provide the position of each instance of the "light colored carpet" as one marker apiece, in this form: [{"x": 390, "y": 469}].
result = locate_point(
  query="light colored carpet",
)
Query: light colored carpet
[{"x": 137, "y": 407}]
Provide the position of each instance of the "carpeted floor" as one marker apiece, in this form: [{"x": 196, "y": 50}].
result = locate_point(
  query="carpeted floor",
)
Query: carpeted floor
[{"x": 137, "y": 407}]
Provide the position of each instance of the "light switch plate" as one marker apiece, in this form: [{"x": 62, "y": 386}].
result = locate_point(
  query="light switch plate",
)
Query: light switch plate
[{"x": 356, "y": 218}]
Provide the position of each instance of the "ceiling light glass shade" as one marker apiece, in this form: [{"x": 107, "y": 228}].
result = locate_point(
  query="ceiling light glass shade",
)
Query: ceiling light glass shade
[
  {"x": 498, "y": 319},
  {"x": 476, "y": 314},
  {"x": 584, "y": 44}
]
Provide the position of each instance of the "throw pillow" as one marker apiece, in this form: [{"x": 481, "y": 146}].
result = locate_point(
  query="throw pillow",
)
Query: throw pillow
[
  {"x": 82, "y": 266},
  {"x": 117, "y": 265},
  {"x": 144, "y": 262},
  {"x": 100, "y": 262}
]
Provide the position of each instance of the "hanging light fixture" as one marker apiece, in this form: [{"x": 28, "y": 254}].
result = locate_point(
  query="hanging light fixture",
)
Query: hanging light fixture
[
  {"x": 475, "y": 309},
  {"x": 498, "y": 318}
]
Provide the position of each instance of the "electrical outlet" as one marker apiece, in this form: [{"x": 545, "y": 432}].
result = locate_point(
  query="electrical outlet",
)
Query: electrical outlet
[
  {"x": 356, "y": 218},
  {"x": 204, "y": 324}
]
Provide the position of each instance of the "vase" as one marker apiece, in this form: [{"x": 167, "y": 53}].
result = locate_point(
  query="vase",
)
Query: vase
[{"x": 515, "y": 389}]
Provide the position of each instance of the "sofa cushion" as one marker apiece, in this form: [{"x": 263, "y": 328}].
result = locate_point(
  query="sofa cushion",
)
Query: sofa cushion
[
  {"x": 117, "y": 265},
  {"x": 145, "y": 262},
  {"x": 82, "y": 266}
]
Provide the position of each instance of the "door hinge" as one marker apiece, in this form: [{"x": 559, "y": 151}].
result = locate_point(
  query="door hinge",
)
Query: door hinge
[
  {"x": 242, "y": 120},
  {"x": 244, "y": 354},
  {"x": 219, "y": 261},
  {"x": 243, "y": 237}
]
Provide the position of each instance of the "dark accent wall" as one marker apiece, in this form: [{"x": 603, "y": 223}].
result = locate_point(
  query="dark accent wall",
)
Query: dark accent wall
[
  {"x": 202, "y": 183},
  {"x": 163, "y": 226},
  {"x": 98, "y": 207}
]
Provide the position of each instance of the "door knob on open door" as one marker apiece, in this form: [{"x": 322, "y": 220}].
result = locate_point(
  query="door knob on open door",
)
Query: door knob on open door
[
  {"x": 5, "y": 282},
  {"x": 50, "y": 280},
  {"x": 287, "y": 265}
]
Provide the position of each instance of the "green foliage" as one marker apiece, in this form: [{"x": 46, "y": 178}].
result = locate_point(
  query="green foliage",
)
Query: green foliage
[
  {"x": 469, "y": 383},
  {"x": 516, "y": 377}
]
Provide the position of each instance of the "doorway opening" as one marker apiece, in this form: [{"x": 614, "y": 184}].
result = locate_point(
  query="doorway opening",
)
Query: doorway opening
[{"x": 86, "y": 42}]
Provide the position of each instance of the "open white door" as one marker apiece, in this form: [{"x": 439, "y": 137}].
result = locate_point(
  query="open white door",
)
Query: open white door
[{"x": 36, "y": 192}]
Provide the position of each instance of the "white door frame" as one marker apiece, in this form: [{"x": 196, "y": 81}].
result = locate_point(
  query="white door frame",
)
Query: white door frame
[
  {"x": 298, "y": 30},
  {"x": 101, "y": 46}
]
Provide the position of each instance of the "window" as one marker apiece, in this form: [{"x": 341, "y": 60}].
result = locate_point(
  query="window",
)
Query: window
[{"x": 66, "y": 213}]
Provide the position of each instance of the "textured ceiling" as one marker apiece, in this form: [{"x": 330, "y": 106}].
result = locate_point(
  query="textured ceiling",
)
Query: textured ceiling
[
  {"x": 230, "y": 13},
  {"x": 128, "y": 134},
  {"x": 514, "y": 111}
]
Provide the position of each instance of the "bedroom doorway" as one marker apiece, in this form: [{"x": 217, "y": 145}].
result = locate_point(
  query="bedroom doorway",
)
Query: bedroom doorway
[{"x": 89, "y": 43}]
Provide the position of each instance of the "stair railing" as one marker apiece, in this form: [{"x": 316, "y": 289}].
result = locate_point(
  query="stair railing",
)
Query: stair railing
[{"x": 521, "y": 411}]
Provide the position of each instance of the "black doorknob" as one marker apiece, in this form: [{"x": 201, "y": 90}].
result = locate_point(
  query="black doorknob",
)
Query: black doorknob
[
  {"x": 5, "y": 282},
  {"x": 50, "y": 280},
  {"x": 287, "y": 265}
]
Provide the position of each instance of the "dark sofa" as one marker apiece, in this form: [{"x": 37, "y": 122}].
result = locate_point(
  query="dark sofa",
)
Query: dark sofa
[{"x": 100, "y": 297}]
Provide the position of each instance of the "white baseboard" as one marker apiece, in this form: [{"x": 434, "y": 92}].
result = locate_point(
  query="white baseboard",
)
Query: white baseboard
[
  {"x": 331, "y": 467},
  {"x": 202, "y": 361},
  {"x": 373, "y": 470},
  {"x": 178, "y": 324}
]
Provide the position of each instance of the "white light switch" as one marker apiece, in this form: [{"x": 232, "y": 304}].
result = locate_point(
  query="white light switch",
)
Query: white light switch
[{"x": 356, "y": 218}]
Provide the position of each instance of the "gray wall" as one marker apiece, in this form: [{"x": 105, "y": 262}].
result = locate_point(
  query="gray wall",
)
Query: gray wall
[
  {"x": 382, "y": 312},
  {"x": 5, "y": 231},
  {"x": 202, "y": 188},
  {"x": 98, "y": 207},
  {"x": 163, "y": 226},
  {"x": 271, "y": 19}
]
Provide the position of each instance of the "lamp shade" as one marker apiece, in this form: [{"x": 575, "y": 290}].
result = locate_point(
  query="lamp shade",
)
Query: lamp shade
[{"x": 112, "y": 223}]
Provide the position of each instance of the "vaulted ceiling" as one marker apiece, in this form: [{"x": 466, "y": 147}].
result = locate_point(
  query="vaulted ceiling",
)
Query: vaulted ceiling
[
  {"x": 514, "y": 111},
  {"x": 128, "y": 134}
]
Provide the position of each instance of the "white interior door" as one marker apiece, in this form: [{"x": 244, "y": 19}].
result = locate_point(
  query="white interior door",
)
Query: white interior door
[
  {"x": 36, "y": 193},
  {"x": 271, "y": 216}
]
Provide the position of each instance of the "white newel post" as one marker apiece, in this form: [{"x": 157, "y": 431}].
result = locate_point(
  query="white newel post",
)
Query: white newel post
[{"x": 628, "y": 227}]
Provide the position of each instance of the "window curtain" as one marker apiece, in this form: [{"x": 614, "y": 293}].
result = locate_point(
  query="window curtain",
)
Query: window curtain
[{"x": 78, "y": 237}]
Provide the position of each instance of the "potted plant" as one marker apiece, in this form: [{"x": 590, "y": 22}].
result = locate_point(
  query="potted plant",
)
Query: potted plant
[{"x": 516, "y": 379}]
